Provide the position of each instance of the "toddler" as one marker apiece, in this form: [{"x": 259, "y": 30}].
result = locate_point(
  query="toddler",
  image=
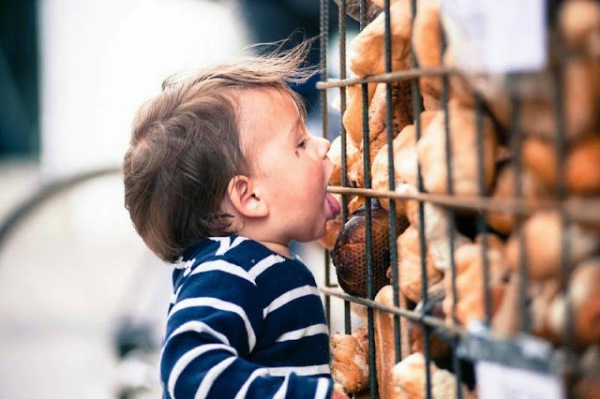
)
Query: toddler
[{"x": 220, "y": 176}]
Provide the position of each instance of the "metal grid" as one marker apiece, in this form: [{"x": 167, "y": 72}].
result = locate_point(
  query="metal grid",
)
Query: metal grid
[{"x": 466, "y": 344}]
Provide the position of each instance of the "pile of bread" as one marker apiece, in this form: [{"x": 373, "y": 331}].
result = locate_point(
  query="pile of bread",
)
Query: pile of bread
[{"x": 560, "y": 256}]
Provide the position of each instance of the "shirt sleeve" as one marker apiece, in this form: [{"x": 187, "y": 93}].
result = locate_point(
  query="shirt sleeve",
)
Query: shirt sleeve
[{"x": 211, "y": 330}]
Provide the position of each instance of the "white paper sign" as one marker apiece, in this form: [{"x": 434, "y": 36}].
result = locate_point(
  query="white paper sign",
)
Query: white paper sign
[
  {"x": 496, "y": 381},
  {"x": 496, "y": 36}
]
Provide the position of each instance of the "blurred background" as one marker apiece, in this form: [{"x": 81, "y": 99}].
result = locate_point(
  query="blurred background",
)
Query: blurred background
[{"x": 82, "y": 301}]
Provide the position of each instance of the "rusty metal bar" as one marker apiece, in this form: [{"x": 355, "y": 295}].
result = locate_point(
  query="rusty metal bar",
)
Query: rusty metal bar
[
  {"x": 582, "y": 210},
  {"x": 388, "y": 77}
]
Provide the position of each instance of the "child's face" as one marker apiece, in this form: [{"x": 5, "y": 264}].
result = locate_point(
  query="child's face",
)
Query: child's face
[{"x": 291, "y": 167}]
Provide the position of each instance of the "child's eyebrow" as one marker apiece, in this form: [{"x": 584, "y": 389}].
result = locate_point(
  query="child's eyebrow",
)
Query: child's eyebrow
[{"x": 296, "y": 126}]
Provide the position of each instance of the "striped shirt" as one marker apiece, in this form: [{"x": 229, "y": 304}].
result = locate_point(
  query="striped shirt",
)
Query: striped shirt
[{"x": 244, "y": 322}]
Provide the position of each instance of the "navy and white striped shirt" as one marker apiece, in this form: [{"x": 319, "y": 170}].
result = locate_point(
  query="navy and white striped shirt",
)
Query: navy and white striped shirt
[{"x": 244, "y": 322}]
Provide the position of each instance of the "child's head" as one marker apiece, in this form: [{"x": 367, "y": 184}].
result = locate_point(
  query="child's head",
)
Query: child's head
[{"x": 208, "y": 153}]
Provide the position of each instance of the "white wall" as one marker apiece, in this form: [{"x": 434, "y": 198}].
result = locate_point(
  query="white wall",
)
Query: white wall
[{"x": 101, "y": 59}]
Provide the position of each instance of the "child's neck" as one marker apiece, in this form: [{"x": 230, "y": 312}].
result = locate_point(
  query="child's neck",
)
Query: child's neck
[{"x": 279, "y": 248}]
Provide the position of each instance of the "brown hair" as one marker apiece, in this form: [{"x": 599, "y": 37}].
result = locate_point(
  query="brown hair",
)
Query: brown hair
[{"x": 185, "y": 148}]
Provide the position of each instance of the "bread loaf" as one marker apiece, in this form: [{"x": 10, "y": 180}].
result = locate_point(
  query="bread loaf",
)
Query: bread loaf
[
  {"x": 439, "y": 349},
  {"x": 579, "y": 22},
  {"x": 584, "y": 304},
  {"x": 335, "y": 154},
  {"x": 405, "y": 162},
  {"x": 583, "y": 167},
  {"x": 353, "y": 116},
  {"x": 469, "y": 282},
  {"x": 506, "y": 189},
  {"x": 350, "y": 359},
  {"x": 427, "y": 48},
  {"x": 385, "y": 343},
  {"x": 349, "y": 252},
  {"x": 366, "y": 50},
  {"x": 410, "y": 380},
  {"x": 543, "y": 235},
  {"x": 464, "y": 152},
  {"x": 409, "y": 265},
  {"x": 353, "y": 9},
  {"x": 436, "y": 228}
]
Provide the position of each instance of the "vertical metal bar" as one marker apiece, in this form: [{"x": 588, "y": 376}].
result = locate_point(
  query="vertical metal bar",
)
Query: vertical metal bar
[
  {"x": 450, "y": 216},
  {"x": 516, "y": 145},
  {"x": 324, "y": 37},
  {"x": 368, "y": 237},
  {"x": 391, "y": 180},
  {"x": 343, "y": 136},
  {"x": 417, "y": 108},
  {"x": 481, "y": 225},
  {"x": 561, "y": 146}
]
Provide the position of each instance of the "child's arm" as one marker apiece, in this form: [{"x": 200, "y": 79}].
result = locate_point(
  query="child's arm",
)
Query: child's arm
[{"x": 210, "y": 331}]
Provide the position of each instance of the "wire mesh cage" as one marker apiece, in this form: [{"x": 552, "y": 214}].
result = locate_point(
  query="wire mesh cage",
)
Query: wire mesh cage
[{"x": 466, "y": 254}]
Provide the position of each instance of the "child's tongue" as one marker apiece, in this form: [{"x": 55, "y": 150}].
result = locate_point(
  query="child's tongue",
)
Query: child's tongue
[{"x": 334, "y": 206}]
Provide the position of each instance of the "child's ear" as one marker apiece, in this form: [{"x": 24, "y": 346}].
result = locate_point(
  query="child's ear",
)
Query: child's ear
[{"x": 245, "y": 199}]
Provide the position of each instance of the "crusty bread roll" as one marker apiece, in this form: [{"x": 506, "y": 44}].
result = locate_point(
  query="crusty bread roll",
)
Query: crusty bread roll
[
  {"x": 543, "y": 234},
  {"x": 505, "y": 322},
  {"x": 409, "y": 377},
  {"x": 332, "y": 230},
  {"x": 579, "y": 22},
  {"x": 366, "y": 50},
  {"x": 410, "y": 380},
  {"x": 335, "y": 154},
  {"x": 405, "y": 162},
  {"x": 491, "y": 89},
  {"x": 402, "y": 112},
  {"x": 401, "y": 117},
  {"x": 492, "y": 240},
  {"x": 427, "y": 48},
  {"x": 584, "y": 302},
  {"x": 470, "y": 303},
  {"x": 436, "y": 228},
  {"x": 384, "y": 341},
  {"x": 536, "y": 92},
  {"x": 588, "y": 385},
  {"x": 581, "y": 94},
  {"x": 353, "y": 116},
  {"x": 409, "y": 265},
  {"x": 539, "y": 157},
  {"x": 334, "y": 226},
  {"x": 506, "y": 189},
  {"x": 439, "y": 349},
  {"x": 405, "y": 166},
  {"x": 350, "y": 359},
  {"x": 349, "y": 251},
  {"x": 583, "y": 167},
  {"x": 353, "y": 9},
  {"x": 464, "y": 152},
  {"x": 539, "y": 297}
]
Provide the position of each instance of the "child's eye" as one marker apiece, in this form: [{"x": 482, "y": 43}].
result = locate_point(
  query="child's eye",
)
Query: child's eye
[{"x": 302, "y": 144}]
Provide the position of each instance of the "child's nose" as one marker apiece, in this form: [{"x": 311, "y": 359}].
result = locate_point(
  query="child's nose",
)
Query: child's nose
[{"x": 323, "y": 147}]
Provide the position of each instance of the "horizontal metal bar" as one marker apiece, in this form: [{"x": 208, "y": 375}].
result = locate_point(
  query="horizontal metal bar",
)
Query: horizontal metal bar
[
  {"x": 388, "y": 77},
  {"x": 523, "y": 351},
  {"x": 450, "y": 331},
  {"x": 580, "y": 210}
]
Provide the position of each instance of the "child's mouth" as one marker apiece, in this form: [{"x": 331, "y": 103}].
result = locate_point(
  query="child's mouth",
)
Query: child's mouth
[{"x": 333, "y": 206}]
